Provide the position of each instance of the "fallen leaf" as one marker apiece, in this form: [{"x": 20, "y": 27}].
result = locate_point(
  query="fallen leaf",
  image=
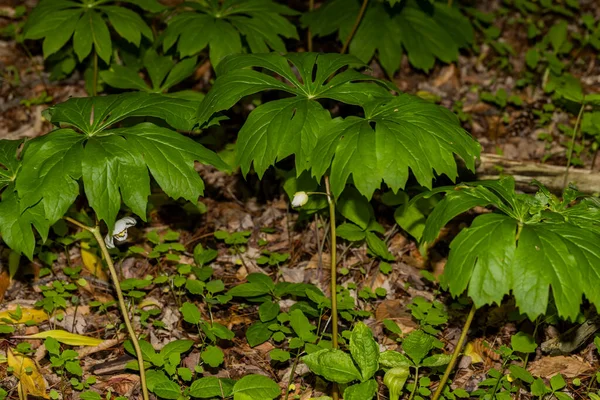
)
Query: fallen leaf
[
  {"x": 30, "y": 379},
  {"x": 4, "y": 284},
  {"x": 65, "y": 337},
  {"x": 472, "y": 351},
  {"x": 92, "y": 262},
  {"x": 568, "y": 366},
  {"x": 27, "y": 314}
]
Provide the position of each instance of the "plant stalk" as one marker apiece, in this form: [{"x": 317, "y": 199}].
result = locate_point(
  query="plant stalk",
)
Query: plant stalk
[
  {"x": 115, "y": 278},
  {"x": 311, "y": 6},
  {"x": 457, "y": 349},
  {"x": 334, "y": 314},
  {"x": 572, "y": 145},
  {"x": 95, "y": 82},
  {"x": 355, "y": 26}
]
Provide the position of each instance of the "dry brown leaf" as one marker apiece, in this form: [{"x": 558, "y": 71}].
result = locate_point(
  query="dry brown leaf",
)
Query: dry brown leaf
[
  {"x": 568, "y": 366},
  {"x": 31, "y": 380},
  {"x": 394, "y": 310},
  {"x": 4, "y": 284}
]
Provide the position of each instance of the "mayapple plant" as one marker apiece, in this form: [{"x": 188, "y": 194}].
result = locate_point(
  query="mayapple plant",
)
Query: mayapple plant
[
  {"x": 426, "y": 30},
  {"x": 221, "y": 25},
  {"x": 113, "y": 164},
  {"x": 395, "y": 135},
  {"x": 530, "y": 246},
  {"x": 56, "y": 21}
]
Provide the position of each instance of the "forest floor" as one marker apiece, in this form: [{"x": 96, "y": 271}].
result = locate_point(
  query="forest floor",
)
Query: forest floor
[{"x": 523, "y": 128}]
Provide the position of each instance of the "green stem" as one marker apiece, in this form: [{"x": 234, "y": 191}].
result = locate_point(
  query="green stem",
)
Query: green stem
[
  {"x": 355, "y": 26},
  {"x": 115, "y": 278},
  {"x": 95, "y": 81},
  {"x": 334, "y": 315},
  {"x": 572, "y": 145},
  {"x": 292, "y": 372},
  {"x": 457, "y": 349},
  {"x": 414, "y": 389},
  {"x": 311, "y": 6}
]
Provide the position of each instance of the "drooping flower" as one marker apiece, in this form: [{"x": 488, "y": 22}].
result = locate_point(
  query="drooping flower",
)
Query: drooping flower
[
  {"x": 119, "y": 232},
  {"x": 300, "y": 199}
]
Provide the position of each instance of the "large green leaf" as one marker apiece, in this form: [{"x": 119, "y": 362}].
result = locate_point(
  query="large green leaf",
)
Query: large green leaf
[
  {"x": 425, "y": 30},
  {"x": 15, "y": 224},
  {"x": 113, "y": 163},
  {"x": 364, "y": 350},
  {"x": 396, "y": 135},
  {"x": 292, "y": 125},
  {"x": 56, "y": 21},
  {"x": 221, "y": 25},
  {"x": 333, "y": 365},
  {"x": 532, "y": 246},
  {"x": 255, "y": 387}
]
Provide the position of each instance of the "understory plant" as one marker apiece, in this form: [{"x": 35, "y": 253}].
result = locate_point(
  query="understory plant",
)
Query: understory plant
[
  {"x": 113, "y": 164},
  {"x": 530, "y": 246}
]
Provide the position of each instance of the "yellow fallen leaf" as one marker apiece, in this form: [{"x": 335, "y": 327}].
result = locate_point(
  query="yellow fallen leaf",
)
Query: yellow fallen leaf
[
  {"x": 65, "y": 337},
  {"x": 471, "y": 351},
  {"x": 92, "y": 262},
  {"x": 27, "y": 314},
  {"x": 31, "y": 380}
]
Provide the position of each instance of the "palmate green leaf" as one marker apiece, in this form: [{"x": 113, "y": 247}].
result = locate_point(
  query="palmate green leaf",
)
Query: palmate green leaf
[
  {"x": 425, "y": 30},
  {"x": 9, "y": 164},
  {"x": 280, "y": 128},
  {"x": 56, "y": 21},
  {"x": 396, "y": 134},
  {"x": 221, "y": 26},
  {"x": 113, "y": 163},
  {"x": 533, "y": 244}
]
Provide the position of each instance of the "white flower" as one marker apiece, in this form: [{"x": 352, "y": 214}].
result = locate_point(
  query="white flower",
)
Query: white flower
[
  {"x": 300, "y": 199},
  {"x": 119, "y": 232}
]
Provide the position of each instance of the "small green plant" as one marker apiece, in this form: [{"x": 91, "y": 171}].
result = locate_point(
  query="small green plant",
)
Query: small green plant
[{"x": 221, "y": 25}]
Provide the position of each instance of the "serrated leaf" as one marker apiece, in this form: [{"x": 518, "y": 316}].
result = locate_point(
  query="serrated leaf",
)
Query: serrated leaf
[
  {"x": 280, "y": 128},
  {"x": 405, "y": 131},
  {"x": 556, "y": 247},
  {"x": 262, "y": 23},
  {"x": 57, "y": 20},
  {"x": 425, "y": 30},
  {"x": 333, "y": 365},
  {"x": 417, "y": 344},
  {"x": 255, "y": 387},
  {"x": 364, "y": 350},
  {"x": 114, "y": 163}
]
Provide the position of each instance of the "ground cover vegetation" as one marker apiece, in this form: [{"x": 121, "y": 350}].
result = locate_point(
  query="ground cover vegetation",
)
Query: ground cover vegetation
[{"x": 337, "y": 199}]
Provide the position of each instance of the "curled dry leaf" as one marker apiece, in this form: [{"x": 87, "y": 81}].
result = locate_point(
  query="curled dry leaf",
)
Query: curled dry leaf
[
  {"x": 568, "y": 366},
  {"x": 30, "y": 379}
]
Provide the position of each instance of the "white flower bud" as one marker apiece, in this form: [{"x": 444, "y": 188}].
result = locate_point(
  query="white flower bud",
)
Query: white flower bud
[
  {"x": 119, "y": 232},
  {"x": 300, "y": 199}
]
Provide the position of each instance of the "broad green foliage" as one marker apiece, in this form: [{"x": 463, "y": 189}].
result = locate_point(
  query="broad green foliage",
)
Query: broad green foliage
[
  {"x": 56, "y": 21},
  {"x": 531, "y": 244},
  {"x": 15, "y": 220},
  {"x": 338, "y": 366},
  {"x": 426, "y": 31},
  {"x": 220, "y": 25},
  {"x": 291, "y": 125},
  {"x": 163, "y": 71},
  {"x": 396, "y": 134},
  {"x": 113, "y": 162}
]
